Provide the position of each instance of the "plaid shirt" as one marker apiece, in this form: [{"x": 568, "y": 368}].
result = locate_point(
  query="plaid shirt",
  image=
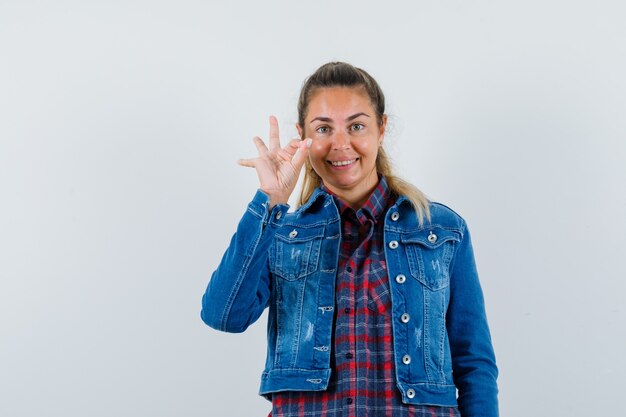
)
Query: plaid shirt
[{"x": 363, "y": 373}]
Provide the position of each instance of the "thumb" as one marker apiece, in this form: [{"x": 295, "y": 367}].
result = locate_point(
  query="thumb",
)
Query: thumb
[{"x": 301, "y": 154}]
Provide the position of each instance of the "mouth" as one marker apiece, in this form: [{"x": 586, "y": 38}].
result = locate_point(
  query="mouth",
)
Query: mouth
[{"x": 343, "y": 163}]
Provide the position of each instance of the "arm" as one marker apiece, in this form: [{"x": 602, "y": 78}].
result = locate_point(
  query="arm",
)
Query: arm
[
  {"x": 473, "y": 360},
  {"x": 240, "y": 287}
]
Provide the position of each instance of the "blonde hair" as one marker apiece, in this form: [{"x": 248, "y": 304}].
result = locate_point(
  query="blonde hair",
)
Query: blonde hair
[{"x": 341, "y": 74}]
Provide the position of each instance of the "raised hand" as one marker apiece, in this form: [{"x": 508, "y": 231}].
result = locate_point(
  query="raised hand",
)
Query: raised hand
[{"x": 278, "y": 168}]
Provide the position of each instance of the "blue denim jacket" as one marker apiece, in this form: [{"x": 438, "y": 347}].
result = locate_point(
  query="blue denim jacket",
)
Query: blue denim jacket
[{"x": 288, "y": 261}]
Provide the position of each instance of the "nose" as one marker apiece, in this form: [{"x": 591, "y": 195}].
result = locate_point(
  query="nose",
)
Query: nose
[{"x": 340, "y": 140}]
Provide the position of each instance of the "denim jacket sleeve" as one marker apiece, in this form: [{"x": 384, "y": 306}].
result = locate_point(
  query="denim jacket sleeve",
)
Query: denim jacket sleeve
[
  {"x": 239, "y": 289},
  {"x": 473, "y": 359}
]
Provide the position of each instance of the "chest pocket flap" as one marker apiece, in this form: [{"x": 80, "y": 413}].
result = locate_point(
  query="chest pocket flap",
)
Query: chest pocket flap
[
  {"x": 296, "y": 252},
  {"x": 429, "y": 253}
]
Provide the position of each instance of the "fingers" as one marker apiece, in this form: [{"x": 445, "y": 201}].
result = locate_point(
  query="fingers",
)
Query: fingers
[
  {"x": 274, "y": 138},
  {"x": 301, "y": 154},
  {"x": 292, "y": 146},
  {"x": 247, "y": 163},
  {"x": 260, "y": 145}
]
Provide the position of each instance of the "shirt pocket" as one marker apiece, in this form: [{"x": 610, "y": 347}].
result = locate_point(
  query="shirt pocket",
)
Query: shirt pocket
[
  {"x": 429, "y": 253},
  {"x": 296, "y": 252}
]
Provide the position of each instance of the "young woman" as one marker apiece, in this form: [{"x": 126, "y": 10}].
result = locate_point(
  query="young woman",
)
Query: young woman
[{"x": 375, "y": 308}]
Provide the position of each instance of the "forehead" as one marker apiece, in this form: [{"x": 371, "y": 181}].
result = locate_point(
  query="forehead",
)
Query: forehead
[{"x": 339, "y": 102}]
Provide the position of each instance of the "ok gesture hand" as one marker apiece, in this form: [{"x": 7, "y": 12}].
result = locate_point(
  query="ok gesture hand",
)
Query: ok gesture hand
[{"x": 278, "y": 168}]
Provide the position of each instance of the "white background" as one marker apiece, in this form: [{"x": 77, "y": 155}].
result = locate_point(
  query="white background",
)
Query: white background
[{"x": 120, "y": 125}]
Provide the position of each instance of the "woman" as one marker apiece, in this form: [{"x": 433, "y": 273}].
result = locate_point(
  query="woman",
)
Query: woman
[{"x": 375, "y": 308}]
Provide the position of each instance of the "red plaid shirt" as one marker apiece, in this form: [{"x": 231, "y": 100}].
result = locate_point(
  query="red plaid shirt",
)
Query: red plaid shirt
[{"x": 363, "y": 373}]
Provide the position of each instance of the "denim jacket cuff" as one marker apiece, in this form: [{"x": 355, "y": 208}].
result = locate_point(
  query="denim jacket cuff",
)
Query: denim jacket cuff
[{"x": 260, "y": 206}]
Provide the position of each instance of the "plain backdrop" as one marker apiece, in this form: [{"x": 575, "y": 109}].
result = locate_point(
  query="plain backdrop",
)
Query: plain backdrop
[{"x": 120, "y": 126}]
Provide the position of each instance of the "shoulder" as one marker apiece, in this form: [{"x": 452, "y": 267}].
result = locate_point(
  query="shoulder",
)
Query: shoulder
[
  {"x": 442, "y": 211},
  {"x": 317, "y": 212},
  {"x": 443, "y": 216},
  {"x": 440, "y": 216}
]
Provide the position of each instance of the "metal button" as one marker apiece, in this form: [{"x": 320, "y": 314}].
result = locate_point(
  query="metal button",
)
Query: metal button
[
  {"x": 432, "y": 238},
  {"x": 405, "y": 318},
  {"x": 400, "y": 279},
  {"x": 279, "y": 215},
  {"x": 410, "y": 393},
  {"x": 293, "y": 233},
  {"x": 393, "y": 244},
  {"x": 406, "y": 359},
  {"x": 395, "y": 216}
]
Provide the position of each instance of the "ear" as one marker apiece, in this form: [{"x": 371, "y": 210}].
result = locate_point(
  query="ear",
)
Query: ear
[
  {"x": 300, "y": 131},
  {"x": 383, "y": 128}
]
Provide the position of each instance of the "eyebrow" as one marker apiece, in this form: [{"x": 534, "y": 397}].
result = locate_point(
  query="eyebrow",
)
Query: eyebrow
[{"x": 348, "y": 119}]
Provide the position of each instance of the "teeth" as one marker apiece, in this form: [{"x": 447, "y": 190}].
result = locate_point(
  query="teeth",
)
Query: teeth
[{"x": 342, "y": 163}]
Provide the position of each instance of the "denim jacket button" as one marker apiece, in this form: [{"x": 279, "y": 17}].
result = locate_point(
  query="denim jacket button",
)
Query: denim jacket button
[
  {"x": 410, "y": 393},
  {"x": 393, "y": 244},
  {"x": 405, "y": 318},
  {"x": 395, "y": 216},
  {"x": 406, "y": 359},
  {"x": 400, "y": 279},
  {"x": 293, "y": 233},
  {"x": 279, "y": 215},
  {"x": 432, "y": 238}
]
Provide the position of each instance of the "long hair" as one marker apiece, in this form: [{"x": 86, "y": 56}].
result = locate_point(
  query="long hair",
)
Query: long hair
[{"x": 341, "y": 74}]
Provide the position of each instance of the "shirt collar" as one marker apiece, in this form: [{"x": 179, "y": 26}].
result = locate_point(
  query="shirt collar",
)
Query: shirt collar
[{"x": 373, "y": 208}]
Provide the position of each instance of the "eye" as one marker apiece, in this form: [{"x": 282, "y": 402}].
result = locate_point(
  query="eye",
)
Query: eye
[
  {"x": 323, "y": 129},
  {"x": 356, "y": 127}
]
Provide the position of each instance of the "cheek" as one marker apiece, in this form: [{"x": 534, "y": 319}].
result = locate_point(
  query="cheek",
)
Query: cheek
[
  {"x": 318, "y": 150},
  {"x": 367, "y": 148}
]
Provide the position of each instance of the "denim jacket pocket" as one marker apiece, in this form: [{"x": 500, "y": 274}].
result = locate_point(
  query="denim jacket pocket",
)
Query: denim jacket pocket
[
  {"x": 429, "y": 253},
  {"x": 295, "y": 253}
]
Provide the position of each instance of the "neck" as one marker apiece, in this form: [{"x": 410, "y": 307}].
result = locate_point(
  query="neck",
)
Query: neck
[{"x": 355, "y": 197}]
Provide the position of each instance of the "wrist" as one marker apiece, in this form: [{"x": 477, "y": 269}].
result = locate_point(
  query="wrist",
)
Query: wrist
[
  {"x": 276, "y": 201},
  {"x": 276, "y": 198}
]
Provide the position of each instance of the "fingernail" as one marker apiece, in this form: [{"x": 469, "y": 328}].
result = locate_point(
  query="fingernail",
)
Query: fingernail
[{"x": 309, "y": 142}]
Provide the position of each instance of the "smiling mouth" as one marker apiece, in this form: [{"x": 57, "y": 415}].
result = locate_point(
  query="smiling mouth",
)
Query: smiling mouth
[{"x": 342, "y": 163}]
